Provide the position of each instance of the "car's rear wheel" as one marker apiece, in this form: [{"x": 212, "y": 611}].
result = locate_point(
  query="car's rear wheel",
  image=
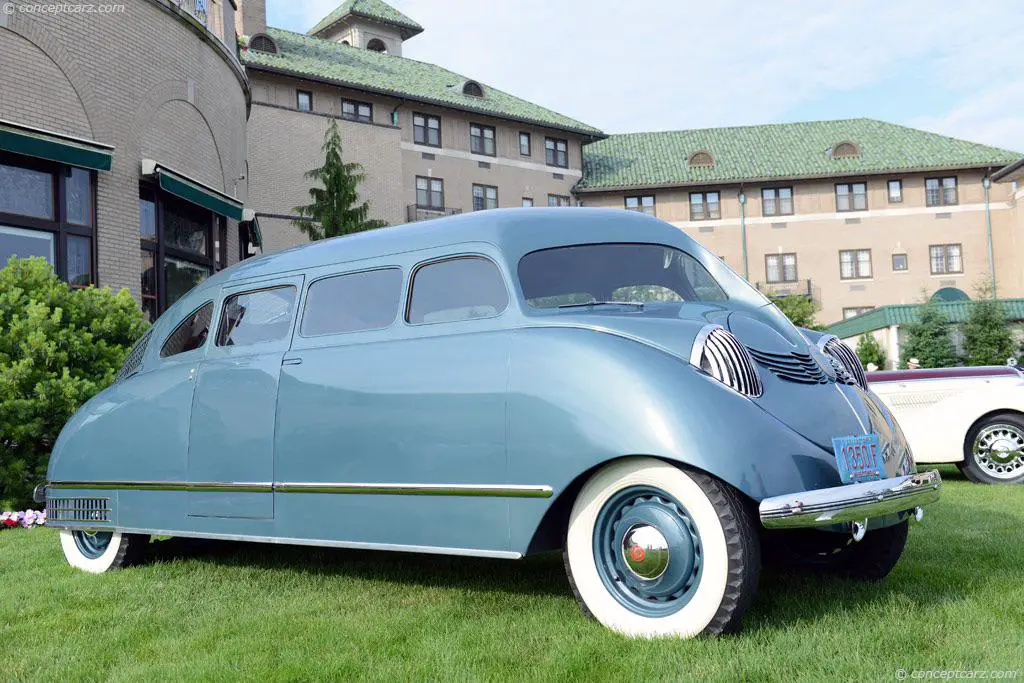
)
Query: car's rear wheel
[
  {"x": 654, "y": 551},
  {"x": 100, "y": 551},
  {"x": 994, "y": 450},
  {"x": 827, "y": 552}
]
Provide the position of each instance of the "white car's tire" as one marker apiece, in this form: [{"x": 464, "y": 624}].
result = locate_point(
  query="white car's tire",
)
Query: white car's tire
[
  {"x": 695, "y": 573},
  {"x": 101, "y": 551}
]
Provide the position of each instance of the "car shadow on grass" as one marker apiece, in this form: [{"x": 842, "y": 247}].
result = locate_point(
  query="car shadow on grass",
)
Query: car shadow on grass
[{"x": 542, "y": 575}]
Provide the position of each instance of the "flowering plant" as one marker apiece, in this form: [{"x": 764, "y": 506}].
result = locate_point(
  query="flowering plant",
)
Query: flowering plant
[{"x": 26, "y": 519}]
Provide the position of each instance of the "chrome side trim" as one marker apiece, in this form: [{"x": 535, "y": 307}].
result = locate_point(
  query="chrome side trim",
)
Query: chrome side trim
[
  {"x": 358, "y": 545},
  {"x": 388, "y": 489},
  {"x": 850, "y": 503}
]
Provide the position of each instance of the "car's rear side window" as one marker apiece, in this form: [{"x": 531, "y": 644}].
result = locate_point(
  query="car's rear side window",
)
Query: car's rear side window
[
  {"x": 352, "y": 303},
  {"x": 190, "y": 334},
  {"x": 460, "y": 288},
  {"x": 256, "y": 317}
]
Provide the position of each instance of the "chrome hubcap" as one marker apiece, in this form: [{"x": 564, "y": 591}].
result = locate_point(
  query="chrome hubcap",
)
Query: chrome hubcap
[
  {"x": 999, "y": 450},
  {"x": 645, "y": 551}
]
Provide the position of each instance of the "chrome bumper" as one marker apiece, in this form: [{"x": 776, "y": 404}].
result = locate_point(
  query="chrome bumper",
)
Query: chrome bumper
[{"x": 850, "y": 503}]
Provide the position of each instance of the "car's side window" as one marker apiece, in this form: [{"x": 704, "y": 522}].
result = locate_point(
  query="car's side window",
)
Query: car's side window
[
  {"x": 352, "y": 303},
  {"x": 190, "y": 334},
  {"x": 460, "y": 288},
  {"x": 255, "y": 317}
]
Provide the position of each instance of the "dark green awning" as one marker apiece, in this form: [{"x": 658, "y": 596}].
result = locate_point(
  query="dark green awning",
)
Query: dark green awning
[
  {"x": 193, "y": 191},
  {"x": 255, "y": 234},
  {"x": 64, "y": 149}
]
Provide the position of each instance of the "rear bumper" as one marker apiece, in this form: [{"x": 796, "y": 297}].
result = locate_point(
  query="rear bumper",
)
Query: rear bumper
[{"x": 851, "y": 503}]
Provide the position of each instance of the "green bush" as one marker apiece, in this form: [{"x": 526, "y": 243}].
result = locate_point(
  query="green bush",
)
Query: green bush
[
  {"x": 58, "y": 348},
  {"x": 799, "y": 309},
  {"x": 870, "y": 351},
  {"x": 987, "y": 336},
  {"x": 928, "y": 339}
]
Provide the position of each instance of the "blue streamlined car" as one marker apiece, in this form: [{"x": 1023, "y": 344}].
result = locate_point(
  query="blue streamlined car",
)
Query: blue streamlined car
[{"x": 500, "y": 384}]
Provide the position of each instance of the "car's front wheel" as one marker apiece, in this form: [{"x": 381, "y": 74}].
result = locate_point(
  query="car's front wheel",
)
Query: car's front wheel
[
  {"x": 100, "y": 551},
  {"x": 994, "y": 450},
  {"x": 654, "y": 551}
]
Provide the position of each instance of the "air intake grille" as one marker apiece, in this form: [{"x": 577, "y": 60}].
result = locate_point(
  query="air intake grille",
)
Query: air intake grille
[
  {"x": 792, "y": 367},
  {"x": 134, "y": 360},
  {"x": 78, "y": 510},
  {"x": 727, "y": 360},
  {"x": 851, "y": 363}
]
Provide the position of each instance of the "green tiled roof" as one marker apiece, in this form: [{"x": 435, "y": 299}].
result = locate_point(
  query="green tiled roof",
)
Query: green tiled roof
[
  {"x": 302, "y": 55},
  {"x": 371, "y": 9},
  {"x": 776, "y": 151},
  {"x": 902, "y": 314}
]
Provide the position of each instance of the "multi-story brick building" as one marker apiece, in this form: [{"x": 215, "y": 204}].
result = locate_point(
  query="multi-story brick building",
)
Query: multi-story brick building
[
  {"x": 122, "y": 142},
  {"x": 855, "y": 213},
  {"x": 432, "y": 142}
]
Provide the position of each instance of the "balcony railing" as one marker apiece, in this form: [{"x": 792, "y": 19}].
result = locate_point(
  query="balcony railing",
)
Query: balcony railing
[
  {"x": 209, "y": 13},
  {"x": 418, "y": 213},
  {"x": 799, "y": 288}
]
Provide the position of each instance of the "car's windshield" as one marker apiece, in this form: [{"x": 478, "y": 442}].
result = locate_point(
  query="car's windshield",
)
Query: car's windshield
[{"x": 614, "y": 272}]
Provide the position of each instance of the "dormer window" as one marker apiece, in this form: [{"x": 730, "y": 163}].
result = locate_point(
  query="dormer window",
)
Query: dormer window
[
  {"x": 845, "y": 150},
  {"x": 376, "y": 45},
  {"x": 702, "y": 159},
  {"x": 263, "y": 43},
  {"x": 473, "y": 89}
]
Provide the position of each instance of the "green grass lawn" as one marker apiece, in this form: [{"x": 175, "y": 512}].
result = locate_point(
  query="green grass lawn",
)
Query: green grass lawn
[{"x": 228, "y": 610}]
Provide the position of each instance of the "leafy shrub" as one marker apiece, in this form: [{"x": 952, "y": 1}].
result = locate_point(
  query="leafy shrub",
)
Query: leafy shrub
[
  {"x": 799, "y": 309},
  {"x": 870, "y": 351},
  {"x": 928, "y": 339},
  {"x": 58, "y": 348},
  {"x": 987, "y": 336}
]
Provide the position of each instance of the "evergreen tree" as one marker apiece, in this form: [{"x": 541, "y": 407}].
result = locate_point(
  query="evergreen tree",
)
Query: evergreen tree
[
  {"x": 870, "y": 351},
  {"x": 987, "y": 336},
  {"x": 335, "y": 209},
  {"x": 799, "y": 309},
  {"x": 928, "y": 339}
]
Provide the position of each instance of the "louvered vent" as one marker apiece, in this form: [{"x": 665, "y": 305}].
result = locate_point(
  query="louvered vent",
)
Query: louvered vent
[
  {"x": 263, "y": 43},
  {"x": 792, "y": 367},
  {"x": 78, "y": 510},
  {"x": 727, "y": 360},
  {"x": 134, "y": 360},
  {"x": 845, "y": 355}
]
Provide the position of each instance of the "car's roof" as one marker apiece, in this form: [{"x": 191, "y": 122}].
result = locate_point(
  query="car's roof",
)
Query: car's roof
[{"x": 514, "y": 231}]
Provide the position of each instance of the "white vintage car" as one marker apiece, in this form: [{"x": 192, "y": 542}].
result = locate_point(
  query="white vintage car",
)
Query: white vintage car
[{"x": 973, "y": 417}]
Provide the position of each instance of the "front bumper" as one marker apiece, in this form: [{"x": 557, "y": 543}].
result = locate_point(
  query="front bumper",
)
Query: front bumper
[{"x": 850, "y": 503}]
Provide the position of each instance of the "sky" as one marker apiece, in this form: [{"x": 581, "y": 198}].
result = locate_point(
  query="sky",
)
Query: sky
[{"x": 642, "y": 65}]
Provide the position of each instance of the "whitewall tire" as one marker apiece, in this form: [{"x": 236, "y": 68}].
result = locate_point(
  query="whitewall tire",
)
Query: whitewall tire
[
  {"x": 656, "y": 551},
  {"x": 101, "y": 551}
]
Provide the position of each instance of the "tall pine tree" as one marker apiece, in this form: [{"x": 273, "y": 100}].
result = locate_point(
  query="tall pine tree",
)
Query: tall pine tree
[
  {"x": 987, "y": 336},
  {"x": 928, "y": 339},
  {"x": 334, "y": 209}
]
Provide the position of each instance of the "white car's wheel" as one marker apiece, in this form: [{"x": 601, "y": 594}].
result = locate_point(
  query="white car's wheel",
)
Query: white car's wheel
[
  {"x": 994, "y": 450},
  {"x": 656, "y": 551},
  {"x": 100, "y": 551}
]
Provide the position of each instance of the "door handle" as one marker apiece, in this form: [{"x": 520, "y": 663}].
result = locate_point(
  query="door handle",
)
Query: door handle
[{"x": 292, "y": 361}]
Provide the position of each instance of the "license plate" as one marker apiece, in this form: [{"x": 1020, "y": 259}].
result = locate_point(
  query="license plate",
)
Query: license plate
[{"x": 859, "y": 458}]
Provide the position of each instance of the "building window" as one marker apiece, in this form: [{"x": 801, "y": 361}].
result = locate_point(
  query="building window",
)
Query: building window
[
  {"x": 777, "y": 201},
  {"x": 855, "y": 264},
  {"x": 485, "y": 197},
  {"x": 426, "y": 130},
  {"x": 556, "y": 152},
  {"x": 701, "y": 159},
  {"x": 481, "y": 139},
  {"x": 780, "y": 268},
  {"x": 946, "y": 259},
  {"x": 177, "y": 248},
  {"x": 899, "y": 262},
  {"x": 705, "y": 206},
  {"x": 527, "y": 202},
  {"x": 357, "y": 111},
  {"x": 854, "y": 311},
  {"x": 48, "y": 210},
  {"x": 641, "y": 203},
  {"x": 895, "y": 191},
  {"x": 851, "y": 197},
  {"x": 524, "y": 144},
  {"x": 940, "y": 191},
  {"x": 473, "y": 89},
  {"x": 559, "y": 200},
  {"x": 376, "y": 45},
  {"x": 845, "y": 150},
  {"x": 303, "y": 100},
  {"x": 429, "y": 193}
]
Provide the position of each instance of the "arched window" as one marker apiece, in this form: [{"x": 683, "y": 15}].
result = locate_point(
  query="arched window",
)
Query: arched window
[
  {"x": 702, "y": 159},
  {"x": 472, "y": 88},
  {"x": 845, "y": 150},
  {"x": 263, "y": 43},
  {"x": 345, "y": 42},
  {"x": 376, "y": 45}
]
